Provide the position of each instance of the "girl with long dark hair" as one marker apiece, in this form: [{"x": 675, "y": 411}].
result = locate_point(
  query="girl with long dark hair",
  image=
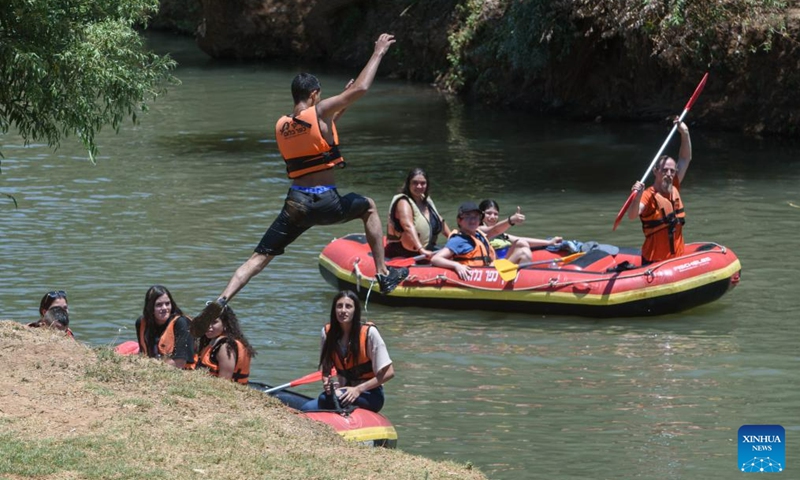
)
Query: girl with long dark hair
[
  {"x": 224, "y": 350},
  {"x": 163, "y": 330},
  {"x": 359, "y": 355},
  {"x": 414, "y": 223}
]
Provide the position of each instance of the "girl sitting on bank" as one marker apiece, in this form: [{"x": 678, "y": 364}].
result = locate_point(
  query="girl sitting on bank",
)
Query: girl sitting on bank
[
  {"x": 224, "y": 350},
  {"x": 163, "y": 330}
]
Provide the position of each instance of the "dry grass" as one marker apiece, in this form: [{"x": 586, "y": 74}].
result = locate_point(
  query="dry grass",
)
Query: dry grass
[{"x": 68, "y": 411}]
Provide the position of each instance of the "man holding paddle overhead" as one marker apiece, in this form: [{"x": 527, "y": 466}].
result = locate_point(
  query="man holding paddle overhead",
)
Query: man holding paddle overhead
[
  {"x": 660, "y": 207},
  {"x": 309, "y": 143}
]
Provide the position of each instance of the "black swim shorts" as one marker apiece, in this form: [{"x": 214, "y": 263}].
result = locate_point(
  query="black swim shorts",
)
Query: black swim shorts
[{"x": 303, "y": 210}]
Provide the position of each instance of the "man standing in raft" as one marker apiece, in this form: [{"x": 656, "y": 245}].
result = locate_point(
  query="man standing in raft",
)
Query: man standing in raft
[
  {"x": 660, "y": 206},
  {"x": 309, "y": 144}
]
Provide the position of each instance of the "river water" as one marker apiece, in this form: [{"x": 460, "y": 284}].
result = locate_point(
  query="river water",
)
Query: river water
[{"x": 182, "y": 198}]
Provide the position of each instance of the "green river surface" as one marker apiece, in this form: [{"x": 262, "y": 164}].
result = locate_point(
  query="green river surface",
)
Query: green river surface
[{"x": 182, "y": 199}]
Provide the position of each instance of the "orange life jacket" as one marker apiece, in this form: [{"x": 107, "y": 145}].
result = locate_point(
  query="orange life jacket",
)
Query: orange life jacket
[
  {"x": 481, "y": 256},
  {"x": 662, "y": 224},
  {"x": 355, "y": 370},
  {"x": 208, "y": 359},
  {"x": 302, "y": 145},
  {"x": 166, "y": 344}
]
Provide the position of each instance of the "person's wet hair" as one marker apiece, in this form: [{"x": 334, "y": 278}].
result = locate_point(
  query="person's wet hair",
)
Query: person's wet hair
[
  {"x": 153, "y": 294},
  {"x": 232, "y": 330},
  {"x": 302, "y": 86},
  {"x": 335, "y": 332},
  {"x": 661, "y": 161},
  {"x": 407, "y": 185},
  {"x": 487, "y": 204},
  {"x": 49, "y": 298}
]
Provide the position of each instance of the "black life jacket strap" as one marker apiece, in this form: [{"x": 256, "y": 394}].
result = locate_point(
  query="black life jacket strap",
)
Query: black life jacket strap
[
  {"x": 309, "y": 161},
  {"x": 301, "y": 122}
]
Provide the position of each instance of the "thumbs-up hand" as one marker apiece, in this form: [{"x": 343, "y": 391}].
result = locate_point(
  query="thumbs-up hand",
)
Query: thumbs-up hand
[{"x": 517, "y": 218}]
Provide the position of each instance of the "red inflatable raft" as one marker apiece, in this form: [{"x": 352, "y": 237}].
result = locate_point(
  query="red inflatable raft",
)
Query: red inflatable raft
[
  {"x": 354, "y": 424},
  {"x": 596, "y": 284}
]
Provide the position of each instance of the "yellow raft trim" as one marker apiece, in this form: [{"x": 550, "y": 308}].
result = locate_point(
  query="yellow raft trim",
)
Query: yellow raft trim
[
  {"x": 537, "y": 296},
  {"x": 369, "y": 433}
]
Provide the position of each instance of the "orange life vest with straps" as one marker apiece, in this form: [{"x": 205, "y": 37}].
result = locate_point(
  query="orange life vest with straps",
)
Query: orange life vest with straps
[
  {"x": 208, "y": 358},
  {"x": 482, "y": 255},
  {"x": 662, "y": 223},
  {"x": 355, "y": 369},
  {"x": 302, "y": 145},
  {"x": 166, "y": 344}
]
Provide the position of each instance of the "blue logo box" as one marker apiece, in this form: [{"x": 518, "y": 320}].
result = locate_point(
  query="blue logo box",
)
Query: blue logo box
[{"x": 762, "y": 449}]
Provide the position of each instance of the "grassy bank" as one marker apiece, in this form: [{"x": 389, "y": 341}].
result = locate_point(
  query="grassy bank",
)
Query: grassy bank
[{"x": 70, "y": 411}]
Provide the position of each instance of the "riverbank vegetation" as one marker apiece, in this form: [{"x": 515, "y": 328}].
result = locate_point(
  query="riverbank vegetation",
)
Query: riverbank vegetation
[
  {"x": 73, "y": 412},
  {"x": 585, "y": 59},
  {"x": 613, "y": 57},
  {"x": 71, "y": 67}
]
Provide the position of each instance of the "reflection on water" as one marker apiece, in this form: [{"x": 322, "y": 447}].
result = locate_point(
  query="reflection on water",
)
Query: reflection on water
[
  {"x": 567, "y": 399},
  {"x": 183, "y": 198}
]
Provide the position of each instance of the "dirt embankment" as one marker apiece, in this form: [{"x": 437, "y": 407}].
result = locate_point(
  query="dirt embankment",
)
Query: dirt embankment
[{"x": 69, "y": 411}]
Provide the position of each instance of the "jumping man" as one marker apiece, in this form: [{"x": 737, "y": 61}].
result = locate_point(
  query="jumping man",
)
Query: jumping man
[{"x": 309, "y": 144}]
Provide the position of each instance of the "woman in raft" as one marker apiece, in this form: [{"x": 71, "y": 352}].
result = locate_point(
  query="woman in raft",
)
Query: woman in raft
[
  {"x": 359, "y": 355},
  {"x": 414, "y": 223},
  {"x": 505, "y": 245},
  {"x": 163, "y": 330},
  {"x": 224, "y": 350}
]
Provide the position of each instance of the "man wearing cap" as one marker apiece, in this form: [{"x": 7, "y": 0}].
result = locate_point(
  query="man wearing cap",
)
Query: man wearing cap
[
  {"x": 468, "y": 247},
  {"x": 309, "y": 143}
]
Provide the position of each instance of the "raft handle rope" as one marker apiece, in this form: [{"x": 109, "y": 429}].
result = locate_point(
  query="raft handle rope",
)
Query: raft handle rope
[
  {"x": 359, "y": 276},
  {"x": 649, "y": 274},
  {"x": 357, "y": 273}
]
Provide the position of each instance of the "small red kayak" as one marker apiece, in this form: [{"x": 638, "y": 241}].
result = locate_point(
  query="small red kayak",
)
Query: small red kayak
[
  {"x": 127, "y": 348},
  {"x": 354, "y": 424}
]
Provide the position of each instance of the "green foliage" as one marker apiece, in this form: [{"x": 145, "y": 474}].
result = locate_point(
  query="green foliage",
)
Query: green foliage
[
  {"x": 472, "y": 18},
  {"x": 73, "y": 66},
  {"x": 532, "y": 31},
  {"x": 528, "y": 36},
  {"x": 719, "y": 31},
  {"x": 36, "y": 458},
  {"x": 522, "y": 34}
]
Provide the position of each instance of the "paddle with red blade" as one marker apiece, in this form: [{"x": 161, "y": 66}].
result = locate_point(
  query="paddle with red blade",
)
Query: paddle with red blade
[
  {"x": 405, "y": 262},
  {"x": 661, "y": 150},
  {"x": 310, "y": 378}
]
